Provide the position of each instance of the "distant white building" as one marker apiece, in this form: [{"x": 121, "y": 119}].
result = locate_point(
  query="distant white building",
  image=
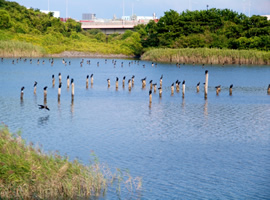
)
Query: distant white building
[
  {"x": 88, "y": 16},
  {"x": 55, "y": 13}
]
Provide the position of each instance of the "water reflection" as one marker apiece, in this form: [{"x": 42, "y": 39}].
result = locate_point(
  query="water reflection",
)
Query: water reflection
[
  {"x": 43, "y": 120},
  {"x": 185, "y": 138},
  {"x": 205, "y": 108},
  {"x": 21, "y": 102},
  {"x": 183, "y": 102},
  {"x": 72, "y": 107}
]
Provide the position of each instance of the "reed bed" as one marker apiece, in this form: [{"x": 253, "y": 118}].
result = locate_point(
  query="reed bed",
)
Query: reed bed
[
  {"x": 27, "y": 173},
  {"x": 208, "y": 56},
  {"x": 20, "y": 49}
]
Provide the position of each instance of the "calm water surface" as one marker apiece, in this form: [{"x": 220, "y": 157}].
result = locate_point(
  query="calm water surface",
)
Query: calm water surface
[{"x": 183, "y": 148}]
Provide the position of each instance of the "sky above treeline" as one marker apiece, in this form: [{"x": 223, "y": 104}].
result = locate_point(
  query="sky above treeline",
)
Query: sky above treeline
[{"x": 108, "y": 8}]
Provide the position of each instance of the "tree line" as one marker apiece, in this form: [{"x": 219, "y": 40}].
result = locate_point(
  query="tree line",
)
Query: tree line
[{"x": 213, "y": 28}]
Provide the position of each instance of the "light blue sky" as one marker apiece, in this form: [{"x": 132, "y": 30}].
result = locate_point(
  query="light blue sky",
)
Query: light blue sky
[{"x": 107, "y": 8}]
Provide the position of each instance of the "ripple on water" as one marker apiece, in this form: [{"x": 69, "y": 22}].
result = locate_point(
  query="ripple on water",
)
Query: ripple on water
[{"x": 184, "y": 148}]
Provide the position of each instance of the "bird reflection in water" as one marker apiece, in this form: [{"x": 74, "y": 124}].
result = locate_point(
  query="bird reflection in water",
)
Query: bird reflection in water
[{"x": 43, "y": 120}]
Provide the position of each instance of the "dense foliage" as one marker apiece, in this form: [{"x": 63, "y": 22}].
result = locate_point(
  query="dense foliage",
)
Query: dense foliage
[
  {"x": 30, "y": 25},
  {"x": 212, "y": 28}
]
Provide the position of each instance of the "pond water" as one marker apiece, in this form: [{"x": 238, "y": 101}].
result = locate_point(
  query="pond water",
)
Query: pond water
[{"x": 183, "y": 148}]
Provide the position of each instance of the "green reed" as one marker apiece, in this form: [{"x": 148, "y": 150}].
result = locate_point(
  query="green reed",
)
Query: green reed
[
  {"x": 208, "y": 56},
  {"x": 20, "y": 49},
  {"x": 28, "y": 173}
]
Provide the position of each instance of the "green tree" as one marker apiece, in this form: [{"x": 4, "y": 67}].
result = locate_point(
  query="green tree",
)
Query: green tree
[{"x": 4, "y": 19}]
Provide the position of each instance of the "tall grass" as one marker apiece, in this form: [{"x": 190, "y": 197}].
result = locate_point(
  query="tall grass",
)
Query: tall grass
[
  {"x": 206, "y": 55},
  {"x": 27, "y": 173},
  {"x": 20, "y": 49}
]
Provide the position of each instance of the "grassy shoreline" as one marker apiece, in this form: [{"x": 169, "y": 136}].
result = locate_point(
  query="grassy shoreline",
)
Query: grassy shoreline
[
  {"x": 15, "y": 49},
  {"x": 20, "y": 49},
  {"x": 27, "y": 173},
  {"x": 208, "y": 56}
]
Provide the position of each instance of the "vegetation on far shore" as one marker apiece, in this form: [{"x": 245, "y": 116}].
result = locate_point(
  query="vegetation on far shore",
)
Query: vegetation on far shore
[
  {"x": 208, "y": 56},
  {"x": 27, "y": 173},
  {"x": 213, "y": 29}
]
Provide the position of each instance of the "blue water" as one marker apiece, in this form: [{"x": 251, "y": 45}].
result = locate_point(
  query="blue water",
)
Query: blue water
[{"x": 183, "y": 148}]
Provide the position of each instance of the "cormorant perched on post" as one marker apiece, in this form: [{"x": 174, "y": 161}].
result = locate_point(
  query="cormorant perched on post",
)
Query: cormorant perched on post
[
  {"x": 160, "y": 80},
  {"x": 123, "y": 81},
  {"x": 198, "y": 87},
  {"x": 143, "y": 82},
  {"x": 35, "y": 87},
  {"x": 218, "y": 88},
  {"x": 230, "y": 90},
  {"x": 151, "y": 84},
  {"x": 22, "y": 88},
  {"x": 116, "y": 83},
  {"x": 132, "y": 80},
  {"x": 92, "y": 79}
]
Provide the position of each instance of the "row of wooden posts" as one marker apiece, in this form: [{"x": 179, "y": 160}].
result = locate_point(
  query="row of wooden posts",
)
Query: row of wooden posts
[{"x": 130, "y": 84}]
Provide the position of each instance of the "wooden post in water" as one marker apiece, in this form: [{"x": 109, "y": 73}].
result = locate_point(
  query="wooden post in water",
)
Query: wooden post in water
[
  {"x": 143, "y": 82},
  {"x": 59, "y": 91},
  {"x": 45, "y": 94},
  {"x": 230, "y": 90},
  {"x": 116, "y": 83},
  {"x": 160, "y": 91},
  {"x": 109, "y": 82},
  {"x": 53, "y": 81},
  {"x": 22, "y": 88},
  {"x": 87, "y": 81},
  {"x": 60, "y": 78},
  {"x": 183, "y": 88},
  {"x": 160, "y": 81},
  {"x": 132, "y": 79},
  {"x": 68, "y": 82},
  {"x": 177, "y": 85},
  {"x": 123, "y": 81},
  {"x": 218, "y": 88},
  {"x": 172, "y": 89},
  {"x": 150, "y": 96},
  {"x": 129, "y": 85},
  {"x": 35, "y": 87},
  {"x": 206, "y": 84},
  {"x": 198, "y": 87},
  {"x": 155, "y": 87},
  {"x": 268, "y": 90},
  {"x": 92, "y": 79},
  {"x": 72, "y": 90}
]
